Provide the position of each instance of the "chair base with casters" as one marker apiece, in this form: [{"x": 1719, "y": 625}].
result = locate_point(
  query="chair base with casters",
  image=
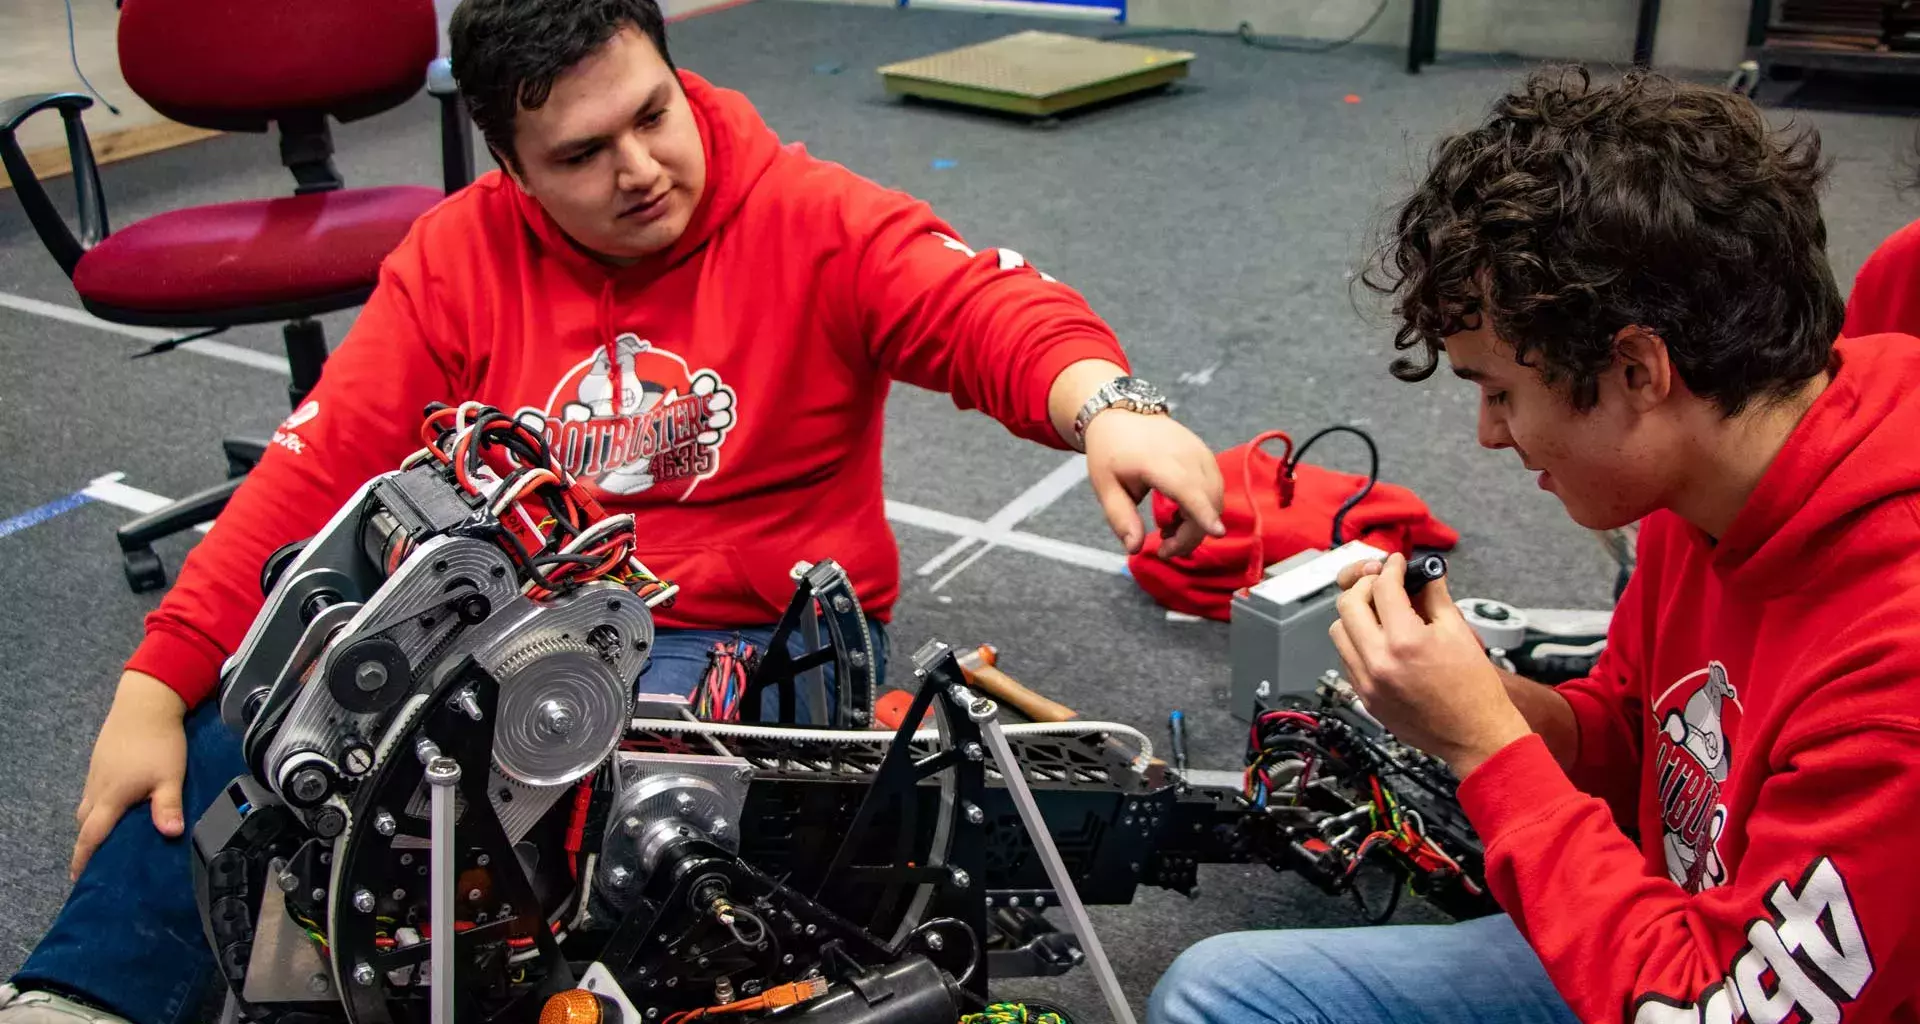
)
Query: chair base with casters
[{"x": 306, "y": 353}]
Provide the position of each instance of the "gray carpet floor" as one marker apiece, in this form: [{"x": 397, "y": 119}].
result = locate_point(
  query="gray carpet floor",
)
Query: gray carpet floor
[{"x": 1216, "y": 226}]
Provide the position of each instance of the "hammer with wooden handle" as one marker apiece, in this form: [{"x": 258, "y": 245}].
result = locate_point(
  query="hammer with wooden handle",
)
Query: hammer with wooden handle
[{"x": 980, "y": 667}]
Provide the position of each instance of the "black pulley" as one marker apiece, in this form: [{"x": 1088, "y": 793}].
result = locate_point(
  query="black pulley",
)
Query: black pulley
[
  {"x": 277, "y": 563},
  {"x": 370, "y": 675}
]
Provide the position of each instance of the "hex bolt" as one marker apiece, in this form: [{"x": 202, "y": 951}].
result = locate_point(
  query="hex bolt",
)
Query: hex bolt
[
  {"x": 384, "y": 824},
  {"x": 972, "y": 752},
  {"x": 975, "y": 815},
  {"x": 935, "y": 942},
  {"x": 961, "y": 878},
  {"x": 363, "y": 974},
  {"x": 370, "y": 676},
  {"x": 363, "y": 901}
]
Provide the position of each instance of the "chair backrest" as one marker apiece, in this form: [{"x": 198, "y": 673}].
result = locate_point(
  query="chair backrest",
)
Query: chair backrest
[{"x": 237, "y": 65}]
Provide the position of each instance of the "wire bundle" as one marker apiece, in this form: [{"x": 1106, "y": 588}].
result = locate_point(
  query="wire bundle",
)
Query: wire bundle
[
  {"x": 1288, "y": 735},
  {"x": 557, "y": 534},
  {"x": 1281, "y": 736},
  {"x": 1017, "y": 1013},
  {"x": 1404, "y": 832},
  {"x": 716, "y": 698}
]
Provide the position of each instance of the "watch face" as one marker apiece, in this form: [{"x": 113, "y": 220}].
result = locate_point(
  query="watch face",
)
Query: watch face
[{"x": 1138, "y": 391}]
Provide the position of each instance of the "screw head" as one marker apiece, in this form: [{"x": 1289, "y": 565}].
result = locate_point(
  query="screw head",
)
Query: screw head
[
  {"x": 363, "y": 973},
  {"x": 473, "y": 894},
  {"x": 972, "y": 752},
  {"x": 556, "y": 718},
  {"x": 811, "y": 929},
  {"x": 399, "y": 894},
  {"x": 787, "y": 960},
  {"x": 406, "y": 858},
  {"x": 370, "y": 676},
  {"x": 842, "y": 604},
  {"x": 363, "y": 901},
  {"x": 719, "y": 827},
  {"x": 384, "y": 824},
  {"x": 975, "y": 815},
  {"x": 742, "y": 774},
  {"x": 287, "y": 880},
  {"x": 961, "y": 878},
  {"x": 319, "y": 895},
  {"x": 483, "y": 860},
  {"x": 318, "y": 984},
  {"x": 1040, "y": 901},
  {"x": 1013, "y": 901},
  {"x": 935, "y": 942},
  {"x": 309, "y": 785},
  {"x": 619, "y": 876},
  {"x": 359, "y": 760}
]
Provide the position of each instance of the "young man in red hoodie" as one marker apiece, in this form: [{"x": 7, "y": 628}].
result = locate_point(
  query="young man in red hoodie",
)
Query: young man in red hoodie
[
  {"x": 705, "y": 321},
  {"x": 1711, "y": 827}
]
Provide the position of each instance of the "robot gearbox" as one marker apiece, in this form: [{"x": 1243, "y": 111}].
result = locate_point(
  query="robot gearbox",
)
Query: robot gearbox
[{"x": 457, "y": 807}]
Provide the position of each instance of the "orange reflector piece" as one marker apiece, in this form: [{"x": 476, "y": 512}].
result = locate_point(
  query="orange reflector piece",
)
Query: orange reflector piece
[{"x": 574, "y": 1006}]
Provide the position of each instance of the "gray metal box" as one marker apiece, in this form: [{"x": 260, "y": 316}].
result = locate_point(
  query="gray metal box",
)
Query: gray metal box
[{"x": 1277, "y": 636}]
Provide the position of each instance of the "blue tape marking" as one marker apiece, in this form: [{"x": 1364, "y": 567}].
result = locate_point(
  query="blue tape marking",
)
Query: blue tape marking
[
  {"x": 34, "y": 517},
  {"x": 945, "y": 165}
]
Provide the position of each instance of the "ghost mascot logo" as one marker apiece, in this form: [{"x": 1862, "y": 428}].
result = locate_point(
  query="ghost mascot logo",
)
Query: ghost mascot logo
[
  {"x": 1693, "y": 757},
  {"x": 635, "y": 419}
]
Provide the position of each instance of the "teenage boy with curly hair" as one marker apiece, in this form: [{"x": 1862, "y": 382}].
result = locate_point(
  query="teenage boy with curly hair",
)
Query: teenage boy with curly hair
[{"x": 1634, "y": 277}]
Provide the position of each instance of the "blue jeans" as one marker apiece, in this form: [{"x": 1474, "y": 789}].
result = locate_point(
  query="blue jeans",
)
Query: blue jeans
[
  {"x": 1474, "y": 971},
  {"x": 129, "y": 938}
]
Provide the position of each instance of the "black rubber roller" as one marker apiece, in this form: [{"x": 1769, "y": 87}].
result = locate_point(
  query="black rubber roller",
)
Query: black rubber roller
[{"x": 1424, "y": 570}]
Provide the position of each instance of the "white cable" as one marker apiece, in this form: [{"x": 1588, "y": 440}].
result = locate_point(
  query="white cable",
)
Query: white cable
[{"x": 878, "y": 736}]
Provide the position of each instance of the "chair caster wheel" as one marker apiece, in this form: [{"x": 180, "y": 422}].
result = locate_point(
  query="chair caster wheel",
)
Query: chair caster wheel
[{"x": 144, "y": 571}]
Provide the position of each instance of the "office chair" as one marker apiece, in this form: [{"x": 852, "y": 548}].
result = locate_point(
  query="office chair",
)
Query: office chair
[{"x": 243, "y": 66}]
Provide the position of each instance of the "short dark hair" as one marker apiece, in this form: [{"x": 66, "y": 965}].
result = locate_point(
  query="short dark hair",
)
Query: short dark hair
[
  {"x": 1578, "y": 209},
  {"x": 506, "y": 53}
]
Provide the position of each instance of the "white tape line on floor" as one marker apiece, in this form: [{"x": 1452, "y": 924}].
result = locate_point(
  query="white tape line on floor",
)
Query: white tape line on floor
[
  {"x": 109, "y": 490},
  {"x": 112, "y": 489},
  {"x": 208, "y": 347},
  {"x": 1065, "y": 477}
]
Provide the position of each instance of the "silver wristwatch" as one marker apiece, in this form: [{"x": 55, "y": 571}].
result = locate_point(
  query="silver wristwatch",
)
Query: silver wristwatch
[{"x": 1129, "y": 393}]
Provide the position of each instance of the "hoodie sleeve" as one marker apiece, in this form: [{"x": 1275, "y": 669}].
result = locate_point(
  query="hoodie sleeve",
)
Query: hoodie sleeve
[
  {"x": 362, "y": 419},
  {"x": 1886, "y": 293},
  {"x": 985, "y": 327},
  {"x": 1609, "y": 707},
  {"x": 1818, "y": 925}
]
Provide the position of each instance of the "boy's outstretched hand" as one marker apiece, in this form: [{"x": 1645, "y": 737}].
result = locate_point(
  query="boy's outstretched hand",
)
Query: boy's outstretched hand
[{"x": 1420, "y": 668}]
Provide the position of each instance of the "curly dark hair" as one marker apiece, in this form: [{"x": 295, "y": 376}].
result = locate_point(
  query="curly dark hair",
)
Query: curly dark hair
[
  {"x": 1578, "y": 209},
  {"x": 507, "y": 53}
]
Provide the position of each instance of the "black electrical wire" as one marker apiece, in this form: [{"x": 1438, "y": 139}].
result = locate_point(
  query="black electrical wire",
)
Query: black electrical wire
[
  {"x": 1373, "y": 471},
  {"x": 73, "y": 51},
  {"x": 1385, "y": 914},
  {"x": 1246, "y": 35}
]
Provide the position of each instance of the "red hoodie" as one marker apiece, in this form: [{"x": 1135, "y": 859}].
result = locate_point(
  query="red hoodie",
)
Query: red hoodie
[
  {"x": 1886, "y": 292},
  {"x": 729, "y": 392},
  {"x": 1756, "y": 720}
]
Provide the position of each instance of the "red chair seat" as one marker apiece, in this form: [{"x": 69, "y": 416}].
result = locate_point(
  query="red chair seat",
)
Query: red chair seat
[{"x": 232, "y": 256}]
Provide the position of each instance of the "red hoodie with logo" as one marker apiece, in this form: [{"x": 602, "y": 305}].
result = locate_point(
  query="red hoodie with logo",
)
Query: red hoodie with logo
[
  {"x": 1756, "y": 721},
  {"x": 729, "y": 392}
]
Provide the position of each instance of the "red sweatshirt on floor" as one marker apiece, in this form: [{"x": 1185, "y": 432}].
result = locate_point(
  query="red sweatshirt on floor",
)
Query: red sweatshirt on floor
[
  {"x": 1886, "y": 292},
  {"x": 1756, "y": 720},
  {"x": 729, "y": 392}
]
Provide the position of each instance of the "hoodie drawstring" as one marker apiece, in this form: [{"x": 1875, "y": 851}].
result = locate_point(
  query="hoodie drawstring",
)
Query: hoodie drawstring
[{"x": 612, "y": 350}]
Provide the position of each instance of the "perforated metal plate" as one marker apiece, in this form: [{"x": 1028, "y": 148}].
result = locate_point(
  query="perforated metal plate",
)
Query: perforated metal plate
[{"x": 1037, "y": 73}]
